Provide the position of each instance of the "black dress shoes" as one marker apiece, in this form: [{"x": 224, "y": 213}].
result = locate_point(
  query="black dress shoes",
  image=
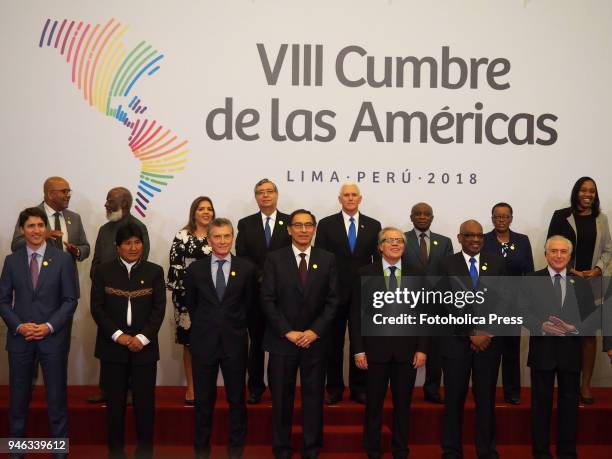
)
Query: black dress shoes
[
  {"x": 512, "y": 400},
  {"x": 333, "y": 399},
  {"x": 434, "y": 398},
  {"x": 253, "y": 399},
  {"x": 359, "y": 398}
]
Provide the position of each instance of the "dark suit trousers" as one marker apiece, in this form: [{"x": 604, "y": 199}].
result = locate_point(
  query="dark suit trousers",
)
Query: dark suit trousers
[
  {"x": 233, "y": 370},
  {"x": 21, "y": 370},
  {"x": 433, "y": 368},
  {"x": 256, "y": 323},
  {"x": 402, "y": 376},
  {"x": 142, "y": 378},
  {"x": 511, "y": 366},
  {"x": 482, "y": 366},
  {"x": 335, "y": 358},
  {"x": 568, "y": 395},
  {"x": 283, "y": 374}
]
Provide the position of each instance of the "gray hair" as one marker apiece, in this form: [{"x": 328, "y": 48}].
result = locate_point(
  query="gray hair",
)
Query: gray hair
[
  {"x": 345, "y": 184},
  {"x": 263, "y": 181},
  {"x": 557, "y": 237},
  {"x": 381, "y": 233}
]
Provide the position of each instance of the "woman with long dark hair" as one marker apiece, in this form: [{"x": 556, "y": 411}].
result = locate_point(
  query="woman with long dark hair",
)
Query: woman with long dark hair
[{"x": 190, "y": 244}]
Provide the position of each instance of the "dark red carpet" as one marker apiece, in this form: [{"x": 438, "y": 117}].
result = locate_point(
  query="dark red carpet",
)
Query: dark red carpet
[{"x": 174, "y": 425}]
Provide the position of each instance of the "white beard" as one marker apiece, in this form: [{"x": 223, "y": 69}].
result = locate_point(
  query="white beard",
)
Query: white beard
[{"x": 114, "y": 216}]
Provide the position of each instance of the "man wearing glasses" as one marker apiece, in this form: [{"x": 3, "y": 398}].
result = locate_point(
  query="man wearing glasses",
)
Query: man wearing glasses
[
  {"x": 469, "y": 351},
  {"x": 259, "y": 234},
  {"x": 299, "y": 300},
  {"x": 66, "y": 232}
]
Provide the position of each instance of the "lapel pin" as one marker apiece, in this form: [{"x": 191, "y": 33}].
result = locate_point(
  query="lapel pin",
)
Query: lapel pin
[
  {"x": 45, "y": 263},
  {"x": 142, "y": 282},
  {"x": 572, "y": 281},
  {"x": 512, "y": 247},
  {"x": 233, "y": 273},
  {"x": 69, "y": 222},
  {"x": 314, "y": 266},
  {"x": 435, "y": 242},
  {"x": 484, "y": 267},
  {"x": 361, "y": 226},
  {"x": 280, "y": 222}
]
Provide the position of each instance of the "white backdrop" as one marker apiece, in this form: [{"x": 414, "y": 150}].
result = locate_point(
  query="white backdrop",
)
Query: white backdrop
[{"x": 552, "y": 56}]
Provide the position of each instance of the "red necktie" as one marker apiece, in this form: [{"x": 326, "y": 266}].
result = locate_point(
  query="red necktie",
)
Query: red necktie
[
  {"x": 303, "y": 269},
  {"x": 34, "y": 269}
]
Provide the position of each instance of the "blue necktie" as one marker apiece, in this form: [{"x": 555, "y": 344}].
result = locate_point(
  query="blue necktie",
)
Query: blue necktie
[
  {"x": 268, "y": 232},
  {"x": 220, "y": 283},
  {"x": 352, "y": 235},
  {"x": 473, "y": 272},
  {"x": 392, "y": 279}
]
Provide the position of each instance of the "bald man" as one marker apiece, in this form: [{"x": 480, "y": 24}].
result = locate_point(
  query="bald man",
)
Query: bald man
[
  {"x": 424, "y": 251},
  {"x": 469, "y": 351},
  {"x": 66, "y": 232}
]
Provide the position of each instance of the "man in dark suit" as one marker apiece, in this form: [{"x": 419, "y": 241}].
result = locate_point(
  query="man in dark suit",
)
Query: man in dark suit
[
  {"x": 471, "y": 351},
  {"x": 392, "y": 358},
  {"x": 351, "y": 237},
  {"x": 66, "y": 232},
  {"x": 259, "y": 234},
  {"x": 37, "y": 301},
  {"x": 299, "y": 299},
  {"x": 118, "y": 207},
  {"x": 424, "y": 251},
  {"x": 218, "y": 294},
  {"x": 128, "y": 303},
  {"x": 555, "y": 304}
]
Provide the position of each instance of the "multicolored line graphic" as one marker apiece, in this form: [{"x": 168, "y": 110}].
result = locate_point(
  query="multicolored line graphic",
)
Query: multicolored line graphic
[{"x": 107, "y": 72}]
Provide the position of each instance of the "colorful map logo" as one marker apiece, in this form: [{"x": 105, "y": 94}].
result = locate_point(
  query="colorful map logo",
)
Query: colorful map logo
[{"x": 107, "y": 72}]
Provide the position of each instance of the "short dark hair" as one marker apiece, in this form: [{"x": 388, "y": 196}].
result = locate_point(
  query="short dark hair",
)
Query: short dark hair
[
  {"x": 574, "y": 197},
  {"x": 502, "y": 204},
  {"x": 127, "y": 231},
  {"x": 220, "y": 222},
  {"x": 302, "y": 211},
  {"x": 32, "y": 212}
]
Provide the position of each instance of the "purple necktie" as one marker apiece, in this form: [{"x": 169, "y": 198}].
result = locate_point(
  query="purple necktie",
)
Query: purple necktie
[
  {"x": 303, "y": 269},
  {"x": 34, "y": 269}
]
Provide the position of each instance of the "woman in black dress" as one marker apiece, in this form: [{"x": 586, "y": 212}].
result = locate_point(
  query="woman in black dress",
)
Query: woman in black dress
[
  {"x": 189, "y": 244},
  {"x": 587, "y": 228}
]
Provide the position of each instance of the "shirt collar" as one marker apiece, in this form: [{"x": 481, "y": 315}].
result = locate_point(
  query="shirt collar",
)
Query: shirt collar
[
  {"x": 419, "y": 232},
  {"x": 49, "y": 210},
  {"x": 296, "y": 251},
  {"x": 467, "y": 257},
  {"x": 386, "y": 264},
  {"x": 40, "y": 251},
  {"x": 347, "y": 217},
  {"x": 214, "y": 257},
  {"x": 128, "y": 265},
  {"x": 552, "y": 272},
  {"x": 272, "y": 216}
]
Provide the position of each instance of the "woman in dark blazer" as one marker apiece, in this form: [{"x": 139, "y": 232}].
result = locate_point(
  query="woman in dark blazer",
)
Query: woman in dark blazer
[
  {"x": 515, "y": 248},
  {"x": 587, "y": 228}
]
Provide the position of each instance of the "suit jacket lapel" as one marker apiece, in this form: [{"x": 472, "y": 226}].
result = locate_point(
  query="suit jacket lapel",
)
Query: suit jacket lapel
[
  {"x": 25, "y": 263},
  {"x": 413, "y": 245},
  {"x": 46, "y": 265},
  {"x": 208, "y": 278},
  {"x": 280, "y": 225}
]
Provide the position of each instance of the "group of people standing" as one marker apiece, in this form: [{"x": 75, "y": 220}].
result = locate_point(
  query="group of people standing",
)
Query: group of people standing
[{"x": 291, "y": 295}]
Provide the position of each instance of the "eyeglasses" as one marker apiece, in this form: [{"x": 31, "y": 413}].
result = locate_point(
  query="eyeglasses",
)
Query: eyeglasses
[
  {"x": 64, "y": 191},
  {"x": 501, "y": 217},
  {"x": 473, "y": 235},
  {"x": 264, "y": 192},
  {"x": 393, "y": 240},
  {"x": 302, "y": 226}
]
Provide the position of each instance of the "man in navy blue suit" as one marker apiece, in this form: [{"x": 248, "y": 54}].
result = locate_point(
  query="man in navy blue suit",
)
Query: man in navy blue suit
[{"x": 37, "y": 302}]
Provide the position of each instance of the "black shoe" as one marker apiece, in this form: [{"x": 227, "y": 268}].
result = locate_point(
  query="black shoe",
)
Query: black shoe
[
  {"x": 434, "y": 398},
  {"x": 190, "y": 402},
  {"x": 587, "y": 400},
  {"x": 512, "y": 400},
  {"x": 333, "y": 399},
  {"x": 359, "y": 398},
  {"x": 253, "y": 399},
  {"x": 98, "y": 398}
]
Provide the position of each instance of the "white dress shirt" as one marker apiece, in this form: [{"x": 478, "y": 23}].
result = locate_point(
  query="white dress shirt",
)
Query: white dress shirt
[
  {"x": 347, "y": 222},
  {"x": 272, "y": 216},
  {"x": 143, "y": 339},
  {"x": 297, "y": 252},
  {"x": 51, "y": 216}
]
